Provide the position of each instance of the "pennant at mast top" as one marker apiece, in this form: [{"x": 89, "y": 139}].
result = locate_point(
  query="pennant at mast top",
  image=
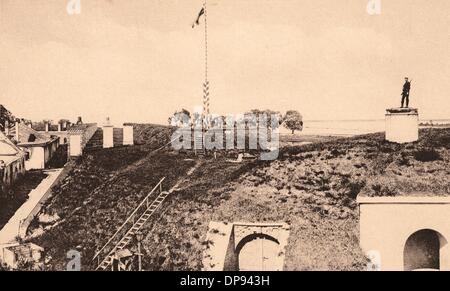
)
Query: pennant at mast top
[{"x": 203, "y": 12}]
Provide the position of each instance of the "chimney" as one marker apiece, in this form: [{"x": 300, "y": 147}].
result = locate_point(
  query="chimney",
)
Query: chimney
[
  {"x": 108, "y": 134},
  {"x": 79, "y": 120},
  {"x": 46, "y": 126},
  {"x": 6, "y": 127},
  {"x": 59, "y": 127},
  {"x": 17, "y": 132}
]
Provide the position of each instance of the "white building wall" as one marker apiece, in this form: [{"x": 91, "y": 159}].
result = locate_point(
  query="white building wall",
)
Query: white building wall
[
  {"x": 36, "y": 158},
  {"x": 387, "y": 223},
  {"x": 13, "y": 171}
]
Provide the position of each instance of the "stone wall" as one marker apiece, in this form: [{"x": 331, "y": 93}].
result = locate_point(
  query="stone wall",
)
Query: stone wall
[{"x": 11, "y": 172}]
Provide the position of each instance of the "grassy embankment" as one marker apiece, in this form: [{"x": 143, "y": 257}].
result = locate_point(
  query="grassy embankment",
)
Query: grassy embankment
[{"x": 312, "y": 187}]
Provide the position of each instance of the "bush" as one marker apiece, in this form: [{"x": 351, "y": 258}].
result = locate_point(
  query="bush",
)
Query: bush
[
  {"x": 353, "y": 186},
  {"x": 384, "y": 189},
  {"x": 427, "y": 155},
  {"x": 404, "y": 159},
  {"x": 337, "y": 153}
]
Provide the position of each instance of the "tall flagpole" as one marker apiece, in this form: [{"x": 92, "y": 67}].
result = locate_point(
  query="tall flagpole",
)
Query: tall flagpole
[
  {"x": 206, "y": 41},
  {"x": 206, "y": 111}
]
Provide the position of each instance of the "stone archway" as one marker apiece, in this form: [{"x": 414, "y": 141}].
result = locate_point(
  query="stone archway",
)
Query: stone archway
[
  {"x": 259, "y": 246},
  {"x": 245, "y": 246},
  {"x": 422, "y": 250}
]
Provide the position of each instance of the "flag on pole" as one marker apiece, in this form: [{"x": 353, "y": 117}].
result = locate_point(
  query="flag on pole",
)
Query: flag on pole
[
  {"x": 197, "y": 21},
  {"x": 205, "y": 112}
]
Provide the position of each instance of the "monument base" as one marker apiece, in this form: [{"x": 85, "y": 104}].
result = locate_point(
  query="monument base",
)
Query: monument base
[{"x": 402, "y": 125}]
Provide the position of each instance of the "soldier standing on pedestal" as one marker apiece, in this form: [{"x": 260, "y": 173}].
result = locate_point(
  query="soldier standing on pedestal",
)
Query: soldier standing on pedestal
[{"x": 405, "y": 93}]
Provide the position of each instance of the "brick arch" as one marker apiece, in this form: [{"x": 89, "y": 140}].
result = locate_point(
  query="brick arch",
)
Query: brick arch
[{"x": 252, "y": 237}]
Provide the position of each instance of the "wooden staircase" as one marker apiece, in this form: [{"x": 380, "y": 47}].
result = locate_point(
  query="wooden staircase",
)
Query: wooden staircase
[{"x": 136, "y": 220}]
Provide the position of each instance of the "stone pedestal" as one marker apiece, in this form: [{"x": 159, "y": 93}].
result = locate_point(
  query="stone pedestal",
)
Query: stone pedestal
[
  {"x": 128, "y": 138},
  {"x": 108, "y": 135},
  {"x": 402, "y": 125}
]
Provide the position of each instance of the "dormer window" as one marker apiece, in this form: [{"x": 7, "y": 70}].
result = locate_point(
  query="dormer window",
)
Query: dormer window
[{"x": 32, "y": 138}]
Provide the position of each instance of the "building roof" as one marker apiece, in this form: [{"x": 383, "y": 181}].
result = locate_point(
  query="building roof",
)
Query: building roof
[
  {"x": 9, "y": 152},
  {"x": 31, "y": 137},
  {"x": 6, "y": 149},
  {"x": 80, "y": 128}
]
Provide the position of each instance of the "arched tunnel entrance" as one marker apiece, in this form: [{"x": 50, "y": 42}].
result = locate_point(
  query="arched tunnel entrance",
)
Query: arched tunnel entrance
[{"x": 423, "y": 250}]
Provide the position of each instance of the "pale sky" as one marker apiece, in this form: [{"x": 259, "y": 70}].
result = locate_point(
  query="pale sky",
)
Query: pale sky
[{"x": 140, "y": 60}]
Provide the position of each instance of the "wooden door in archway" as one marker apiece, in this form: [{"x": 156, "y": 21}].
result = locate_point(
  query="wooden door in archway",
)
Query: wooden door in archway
[{"x": 259, "y": 254}]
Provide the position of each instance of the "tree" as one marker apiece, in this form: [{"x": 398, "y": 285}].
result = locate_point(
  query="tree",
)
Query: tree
[
  {"x": 293, "y": 120},
  {"x": 180, "y": 118},
  {"x": 218, "y": 121},
  {"x": 271, "y": 123},
  {"x": 5, "y": 118}
]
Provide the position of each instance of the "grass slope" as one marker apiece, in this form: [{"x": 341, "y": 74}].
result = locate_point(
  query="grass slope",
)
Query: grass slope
[{"x": 312, "y": 187}]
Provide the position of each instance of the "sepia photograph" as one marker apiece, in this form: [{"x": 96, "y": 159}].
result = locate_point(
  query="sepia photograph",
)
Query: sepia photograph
[{"x": 210, "y": 137}]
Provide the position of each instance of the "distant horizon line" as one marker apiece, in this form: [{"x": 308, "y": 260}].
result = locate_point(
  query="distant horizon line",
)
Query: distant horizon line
[{"x": 381, "y": 119}]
